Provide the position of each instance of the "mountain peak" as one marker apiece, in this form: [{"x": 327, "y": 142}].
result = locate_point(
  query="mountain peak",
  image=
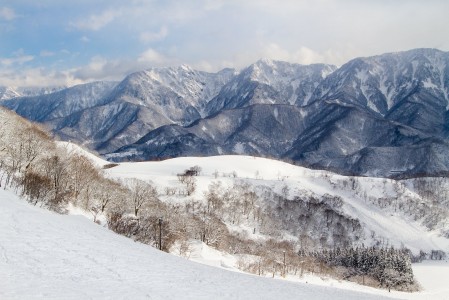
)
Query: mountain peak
[{"x": 266, "y": 61}]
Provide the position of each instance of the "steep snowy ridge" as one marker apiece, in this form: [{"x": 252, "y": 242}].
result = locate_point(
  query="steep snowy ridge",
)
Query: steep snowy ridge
[
  {"x": 381, "y": 82},
  {"x": 270, "y": 82},
  {"x": 376, "y": 116},
  {"x": 105, "y": 116},
  {"x": 8, "y": 93},
  {"x": 179, "y": 93}
]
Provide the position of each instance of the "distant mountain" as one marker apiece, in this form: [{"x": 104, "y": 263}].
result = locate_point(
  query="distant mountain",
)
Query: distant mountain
[
  {"x": 383, "y": 82},
  {"x": 178, "y": 94},
  {"x": 264, "y": 130},
  {"x": 409, "y": 87},
  {"x": 379, "y": 116},
  {"x": 7, "y": 92},
  {"x": 385, "y": 115},
  {"x": 346, "y": 139},
  {"x": 105, "y": 116},
  {"x": 61, "y": 104},
  {"x": 270, "y": 82}
]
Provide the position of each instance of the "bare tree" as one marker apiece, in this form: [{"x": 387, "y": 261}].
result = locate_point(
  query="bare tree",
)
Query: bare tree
[
  {"x": 142, "y": 193},
  {"x": 56, "y": 169},
  {"x": 189, "y": 182},
  {"x": 84, "y": 178}
]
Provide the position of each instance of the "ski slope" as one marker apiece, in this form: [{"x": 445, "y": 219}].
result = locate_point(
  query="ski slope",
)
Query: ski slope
[{"x": 48, "y": 256}]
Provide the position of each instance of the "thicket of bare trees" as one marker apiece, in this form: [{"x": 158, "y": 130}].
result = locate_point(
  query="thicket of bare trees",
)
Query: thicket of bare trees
[{"x": 51, "y": 176}]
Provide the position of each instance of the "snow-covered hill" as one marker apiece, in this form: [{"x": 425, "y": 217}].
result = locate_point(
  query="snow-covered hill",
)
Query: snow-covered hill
[
  {"x": 48, "y": 256},
  {"x": 382, "y": 223},
  {"x": 385, "y": 208}
]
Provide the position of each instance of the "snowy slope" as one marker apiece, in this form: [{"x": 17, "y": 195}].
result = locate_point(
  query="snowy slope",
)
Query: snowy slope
[
  {"x": 391, "y": 227},
  {"x": 177, "y": 93},
  {"x": 387, "y": 225},
  {"x": 8, "y": 93},
  {"x": 48, "y": 256}
]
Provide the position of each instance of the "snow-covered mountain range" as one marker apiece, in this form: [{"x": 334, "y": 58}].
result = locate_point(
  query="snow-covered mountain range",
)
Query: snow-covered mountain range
[{"x": 380, "y": 116}]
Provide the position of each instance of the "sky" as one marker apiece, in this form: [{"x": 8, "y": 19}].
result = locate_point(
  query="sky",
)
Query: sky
[{"x": 54, "y": 42}]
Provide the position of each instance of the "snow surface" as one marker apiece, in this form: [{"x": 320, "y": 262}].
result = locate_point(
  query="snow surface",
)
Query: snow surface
[{"x": 44, "y": 255}]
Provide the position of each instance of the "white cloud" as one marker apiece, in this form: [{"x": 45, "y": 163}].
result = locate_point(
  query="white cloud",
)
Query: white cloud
[
  {"x": 212, "y": 34},
  {"x": 16, "y": 60},
  {"x": 7, "y": 14},
  {"x": 99, "y": 68},
  {"x": 147, "y": 37},
  {"x": 97, "y": 63},
  {"x": 97, "y": 21},
  {"x": 36, "y": 77},
  {"x": 151, "y": 56},
  {"x": 46, "y": 53},
  {"x": 19, "y": 58}
]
